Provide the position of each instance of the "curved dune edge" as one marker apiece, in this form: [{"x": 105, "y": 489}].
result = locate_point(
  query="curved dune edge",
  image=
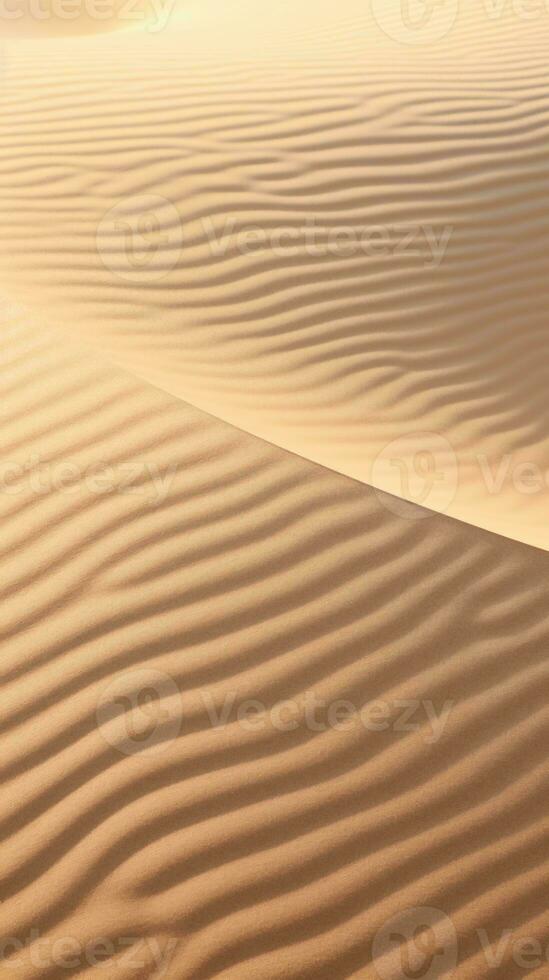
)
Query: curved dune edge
[
  {"x": 525, "y": 528},
  {"x": 347, "y": 361},
  {"x": 250, "y": 574},
  {"x": 409, "y": 447}
]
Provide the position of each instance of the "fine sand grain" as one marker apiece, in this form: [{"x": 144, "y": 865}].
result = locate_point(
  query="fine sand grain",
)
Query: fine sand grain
[
  {"x": 262, "y": 719},
  {"x": 243, "y": 119},
  {"x": 259, "y": 852}
]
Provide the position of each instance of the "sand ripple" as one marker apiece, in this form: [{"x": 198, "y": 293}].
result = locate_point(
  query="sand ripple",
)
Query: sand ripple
[{"x": 247, "y": 851}]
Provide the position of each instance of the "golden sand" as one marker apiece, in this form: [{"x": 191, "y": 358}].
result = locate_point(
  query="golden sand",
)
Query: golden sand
[{"x": 270, "y": 272}]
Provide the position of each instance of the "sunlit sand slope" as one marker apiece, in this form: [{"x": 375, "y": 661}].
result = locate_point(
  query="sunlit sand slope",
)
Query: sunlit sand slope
[
  {"x": 322, "y": 233},
  {"x": 159, "y": 569}
]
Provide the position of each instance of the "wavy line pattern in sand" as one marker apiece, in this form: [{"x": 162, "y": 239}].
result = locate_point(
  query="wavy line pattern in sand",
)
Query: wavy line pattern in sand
[
  {"x": 308, "y": 111},
  {"x": 257, "y": 575}
]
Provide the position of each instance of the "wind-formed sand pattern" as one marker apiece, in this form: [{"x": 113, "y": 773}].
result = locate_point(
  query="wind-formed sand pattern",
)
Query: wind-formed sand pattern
[{"x": 274, "y": 485}]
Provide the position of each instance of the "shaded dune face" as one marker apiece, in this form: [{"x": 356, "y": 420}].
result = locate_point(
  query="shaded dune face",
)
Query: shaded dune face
[{"x": 228, "y": 849}]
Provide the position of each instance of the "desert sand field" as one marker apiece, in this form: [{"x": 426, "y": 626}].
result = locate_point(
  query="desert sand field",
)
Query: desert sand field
[{"x": 274, "y": 490}]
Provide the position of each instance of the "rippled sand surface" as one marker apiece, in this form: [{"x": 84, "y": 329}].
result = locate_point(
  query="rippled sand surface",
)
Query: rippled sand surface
[{"x": 269, "y": 272}]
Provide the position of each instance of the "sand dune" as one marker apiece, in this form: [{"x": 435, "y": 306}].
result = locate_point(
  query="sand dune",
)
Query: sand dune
[
  {"x": 261, "y": 718},
  {"x": 247, "y": 149},
  {"x": 256, "y": 851}
]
